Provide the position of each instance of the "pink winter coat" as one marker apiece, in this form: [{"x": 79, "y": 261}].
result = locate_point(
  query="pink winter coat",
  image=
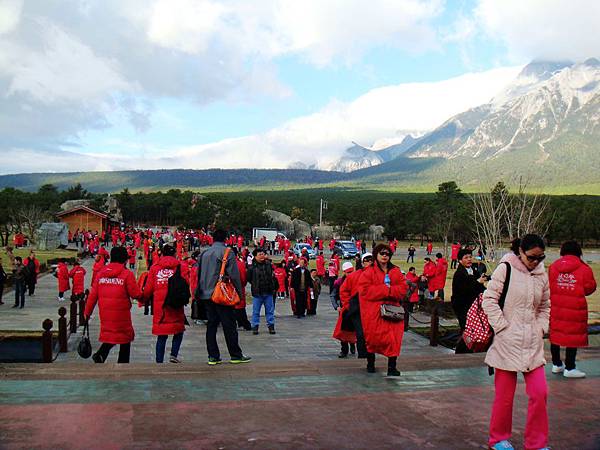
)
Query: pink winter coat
[{"x": 519, "y": 342}]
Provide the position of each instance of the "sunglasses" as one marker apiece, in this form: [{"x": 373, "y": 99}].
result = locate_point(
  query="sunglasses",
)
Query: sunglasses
[
  {"x": 367, "y": 259},
  {"x": 388, "y": 254},
  {"x": 532, "y": 258}
]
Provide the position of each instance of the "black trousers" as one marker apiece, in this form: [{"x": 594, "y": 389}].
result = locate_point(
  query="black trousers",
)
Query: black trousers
[
  {"x": 124, "y": 351},
  {"x": 571, "y": 354},
  {"x": 301, "y": 303},
  {"x": 360, "y": 335},
  {"x": 346, "y": 347},
  {"x": 453, "y": 263},
  {"x": 313, "y": 306},
  {"x": 392, "y": 361},
  {"x": 1, "y": 291},
  {"x": 224, "y": 315},
  {"x": 31, "y": 288},
  {"x": 241, "y": 317}
]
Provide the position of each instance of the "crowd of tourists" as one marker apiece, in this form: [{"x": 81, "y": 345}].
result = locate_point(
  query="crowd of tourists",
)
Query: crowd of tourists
[{"x": 522, "y": 301}]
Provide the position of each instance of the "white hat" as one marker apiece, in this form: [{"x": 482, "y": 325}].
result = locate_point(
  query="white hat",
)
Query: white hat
[
  {"x": 347, "y": 267},
  {"x": 366, "y": 254}
]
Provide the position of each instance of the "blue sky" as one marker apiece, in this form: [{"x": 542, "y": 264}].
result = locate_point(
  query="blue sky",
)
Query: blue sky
[{"x": 212, "y": 82}]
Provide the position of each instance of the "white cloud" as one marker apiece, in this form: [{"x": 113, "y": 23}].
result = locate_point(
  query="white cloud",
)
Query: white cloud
[
  {"x": 543, "y": 29},
  {"x": 10, "y": 15},
  {"x": 320, "y": 138}
]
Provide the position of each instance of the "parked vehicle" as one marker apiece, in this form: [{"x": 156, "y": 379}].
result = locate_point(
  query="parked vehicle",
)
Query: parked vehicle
[
  {"x": 298, "y": 246},
  {"x": 346, "y": 249},
  {"x": 270, "y": 233}
]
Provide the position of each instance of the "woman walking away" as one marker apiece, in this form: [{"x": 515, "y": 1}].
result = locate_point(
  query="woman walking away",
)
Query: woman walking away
[
  {"x": 113, "y": 289},
  {"x": 381, "y": 284},
  {"x": 518, "y": 344},
  {"x": 165, "y": 321},
  {"x": 571, "y": 280}
]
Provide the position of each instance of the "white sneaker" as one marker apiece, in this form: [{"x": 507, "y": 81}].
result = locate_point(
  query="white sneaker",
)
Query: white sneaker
[
  {"x": 575, "y": 373},
  {"x": 61, "y": 299},
  {"x": 557, "y": 369}
]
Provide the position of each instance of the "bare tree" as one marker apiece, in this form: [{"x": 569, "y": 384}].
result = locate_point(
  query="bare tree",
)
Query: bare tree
[
  {"x": 500, "y": 214},
  {"x": 29, "y": 218},
  {"x": 526, "y": 212}
]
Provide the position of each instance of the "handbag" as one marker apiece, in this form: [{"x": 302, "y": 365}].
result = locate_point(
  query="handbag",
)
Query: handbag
[
  {"x": 393, "y": 313},
  {"x": 478, "y": 335},
  {"x": 85, "y": 346},
  {"x": 225, "y": 293}
]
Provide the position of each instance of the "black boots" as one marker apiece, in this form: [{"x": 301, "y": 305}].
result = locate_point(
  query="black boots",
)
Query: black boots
[
  {"x": 271, "y": 329},
  {"x": 392, "y": 371},
  {"x": 370, "y": 362},
  {"x": 255, "y": 329}
]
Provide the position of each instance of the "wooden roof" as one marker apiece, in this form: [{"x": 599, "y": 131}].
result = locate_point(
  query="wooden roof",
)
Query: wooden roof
[{"x": 83, "y": 208}]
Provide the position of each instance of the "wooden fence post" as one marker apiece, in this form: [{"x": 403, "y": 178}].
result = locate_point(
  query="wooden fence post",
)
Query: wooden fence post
[
  {"x": 47, "y": 341},
  {"x": 73, "y": 314},
  {"x": 62, "y": 329},
  {"x": 82, "y": 301}
]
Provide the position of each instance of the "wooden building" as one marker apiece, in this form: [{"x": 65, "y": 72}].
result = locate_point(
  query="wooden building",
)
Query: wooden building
[{"x": 84, "y": 218}]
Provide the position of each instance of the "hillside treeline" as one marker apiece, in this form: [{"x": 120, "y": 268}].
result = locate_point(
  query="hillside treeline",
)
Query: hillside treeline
[{"x": 446, "y": 213}]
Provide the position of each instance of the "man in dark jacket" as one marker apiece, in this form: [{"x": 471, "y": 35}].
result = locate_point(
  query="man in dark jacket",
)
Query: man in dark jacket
[
  {"x": 302, "y": 284},
  {"x": 209, "y": 265},
  {"x": 467, "y": 284},
  {"x": 263, "y": 283}
]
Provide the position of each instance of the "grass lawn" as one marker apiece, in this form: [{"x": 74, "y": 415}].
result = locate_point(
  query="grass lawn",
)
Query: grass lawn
[{"x": 42, "y": 256}]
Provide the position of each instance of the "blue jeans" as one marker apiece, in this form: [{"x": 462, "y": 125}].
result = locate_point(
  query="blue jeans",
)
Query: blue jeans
[
  {"x": 161, "y": 343},
  {"x": 257, "y": 302}
]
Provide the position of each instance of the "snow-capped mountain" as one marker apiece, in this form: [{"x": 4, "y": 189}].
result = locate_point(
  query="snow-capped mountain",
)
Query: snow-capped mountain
[
  {"x": 355, "y": 158},
  {"x": 547, "y": 104}
]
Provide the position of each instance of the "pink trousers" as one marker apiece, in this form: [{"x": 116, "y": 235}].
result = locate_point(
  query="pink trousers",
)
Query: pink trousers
[{"x": 536, "y": 427}]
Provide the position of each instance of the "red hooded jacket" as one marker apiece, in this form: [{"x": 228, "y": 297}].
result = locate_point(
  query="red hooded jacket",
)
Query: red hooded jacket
[
  {"x": 112, "y": 290},
  {"x": 414, "y": 278},
  {"x": 165, "y": 320},
  {"x": 571, "y": 280},
  {"x": 381, "y": 336},
  {"x": 62, "y": 273},
  {"x": 281, "y": 275},
  {"x": 78, "y": 275},
  {"x": 438, "y": 281},
  {"x": 320, "y": 265},
  {"x": 348, "y": 289}
]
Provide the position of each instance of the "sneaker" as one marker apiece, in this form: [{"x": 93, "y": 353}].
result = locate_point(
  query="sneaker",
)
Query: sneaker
[
  {"x": 255, "y": 330},
  {"x": 502, "y": 445},
  {"x": 97, "y": 358},
  {"x": 214, "y": 361},
  {"x": 174, "y": 360},
  {"x": 393, "y": 372},
  {"x": 271, "y": 329},
  {"x": 342, "y": 355},
  {"x": 557, "y": 369},
  {"x": 240, "y": 360},
  {"x": 574, "y": 373}
]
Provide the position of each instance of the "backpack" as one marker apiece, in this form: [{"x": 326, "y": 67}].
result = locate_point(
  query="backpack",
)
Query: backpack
[
  {"x": 178, "y": 291},
  {"x": 478, "y": 334}
]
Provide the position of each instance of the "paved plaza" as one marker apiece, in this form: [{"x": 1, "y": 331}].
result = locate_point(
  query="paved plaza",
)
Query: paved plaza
[{"x": 295, "y": 394}]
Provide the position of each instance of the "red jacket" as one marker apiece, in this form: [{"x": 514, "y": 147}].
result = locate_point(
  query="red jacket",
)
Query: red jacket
[
  {"x": 571, "y": 280},
  {"x": 112, "y": 290},
  {"x": 78, "y": 275},
  {"x": 438, "y": 281},
  {"x": 320, "y": 265},
  {"x": 381, "y": 336},
  {"x": 243, "y": 280},
  {"x": 132, "y": 254},
  {"x": 62, "y": 273},
  {"x": 96, "y": 268},
  {"x": 413, "y": 278},
  {"x": 164, "y": 320},
  {"x": 454, "y": 252},
  {"x": 281, "y": 275},
  {"x": 348, "y": 289}
]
